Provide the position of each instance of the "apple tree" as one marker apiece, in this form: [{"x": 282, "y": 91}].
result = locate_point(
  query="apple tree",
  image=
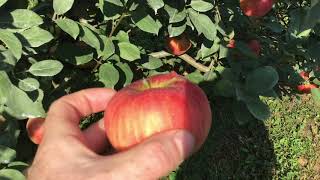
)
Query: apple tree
[{"x": 242, "y": 50}]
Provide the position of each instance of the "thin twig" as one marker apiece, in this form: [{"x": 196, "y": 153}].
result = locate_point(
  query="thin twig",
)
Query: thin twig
[
  {"x": 160, "y": 54},
  {"x": 190, "y": 60},
  {"x": 117, "y": 24},
  {"x": 193, "y": 63}
]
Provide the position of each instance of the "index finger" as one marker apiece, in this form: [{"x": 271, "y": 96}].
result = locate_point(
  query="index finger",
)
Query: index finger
[{"x": 65, "y": 114}]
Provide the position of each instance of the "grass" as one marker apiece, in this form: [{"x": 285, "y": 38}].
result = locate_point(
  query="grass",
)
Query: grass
[{"x": 284, "y": 147}]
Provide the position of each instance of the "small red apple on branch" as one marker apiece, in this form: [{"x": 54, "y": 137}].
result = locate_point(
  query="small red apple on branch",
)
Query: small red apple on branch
[
  {"x": 304, "y": 75},
  {"x": 307, "y": 86},
  {"x": 256, "y": 8},
  {"x": 178, "y": 45},
  {"x": 254, "y": 45},
  {"x": 150, "y": 106}
]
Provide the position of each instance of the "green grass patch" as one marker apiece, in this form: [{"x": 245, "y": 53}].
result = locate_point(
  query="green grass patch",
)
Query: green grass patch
[{"x": 284, "y": 147}]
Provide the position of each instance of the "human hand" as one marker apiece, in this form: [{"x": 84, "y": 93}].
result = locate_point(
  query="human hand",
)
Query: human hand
[{"x": 66, "y": 152}]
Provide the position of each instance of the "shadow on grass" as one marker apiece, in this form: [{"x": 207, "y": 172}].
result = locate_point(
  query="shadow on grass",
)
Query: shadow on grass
[{"x": 231, "y": 151}]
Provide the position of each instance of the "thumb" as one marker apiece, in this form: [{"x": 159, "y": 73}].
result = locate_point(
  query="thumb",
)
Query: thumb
[{"x": 156, "y": 157}]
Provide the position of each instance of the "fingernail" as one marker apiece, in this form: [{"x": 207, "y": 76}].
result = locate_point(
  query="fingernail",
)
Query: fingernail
[{"x": 185, "y": 142}]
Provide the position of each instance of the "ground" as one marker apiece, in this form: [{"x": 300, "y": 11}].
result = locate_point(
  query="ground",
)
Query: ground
[{"x": 284, "y": 147}]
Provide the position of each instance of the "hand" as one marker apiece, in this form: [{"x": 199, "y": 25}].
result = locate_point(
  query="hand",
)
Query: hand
[{"x": 66, "y": 152}]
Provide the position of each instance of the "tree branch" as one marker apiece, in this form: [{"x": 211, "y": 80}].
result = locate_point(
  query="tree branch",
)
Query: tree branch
[{"x": 190, "y": 60}]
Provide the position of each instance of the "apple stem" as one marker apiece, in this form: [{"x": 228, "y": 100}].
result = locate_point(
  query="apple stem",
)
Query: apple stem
[
  {"x": 190, "y": 60},
  {"x": 146, "y": 83}
]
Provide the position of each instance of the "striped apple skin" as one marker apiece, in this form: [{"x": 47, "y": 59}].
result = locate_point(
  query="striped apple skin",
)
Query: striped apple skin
[{"x": 159, "y": 103}]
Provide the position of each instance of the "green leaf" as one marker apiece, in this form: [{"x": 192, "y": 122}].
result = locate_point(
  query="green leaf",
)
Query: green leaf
[
  {"x": 258, "y": 109},
  {"x": 111, "y": 9},
  {"x": 10, "y": 133},
  {"x": 109, "y": 75},
  {"x": 46, "y": 68},
  {"x": 305, "y": 33},
  {"x": 90, "y": 38},
  {"x": 155, "y": 4},
  {"x": 201, "y": 6},
  {"x": 115, "y": 2},
  {"x": 7, "y": 155},
  {"x": 29, "y": 84},
  {"x": 203, "y": 24},
  {"x": 176, "y": 30},
  {"x": 129, "y": 51},
  {"x": 7, "y": 60},
  {"x": 21, "y": 18},
  {"x": 223, "y": 52},
  {"x": 241, "y": 112},
  {"x": 207, "y": 51},
  {"x": 312, "y": 16},
  {"x": 313, "y": 51},
  {"x": 127, "y": 71},
  {"x": 210, "y": 76},
  {"x": 12, "y": 42},
  {"x": 154, "y": 63},
  {"x": 5, "y": 87},
  {"x": 316, "y": 95},
  {"x": 271, "y": 93},
  {"x": 74, "y": 54},
  {"x": 122, "y": 36},
  {"x": 261, "y": 80},
  {"x": 174, "y": 14},
  {"x": 195, "y": 77},
  {"x": 2, "y": 2},
  {"x": 18, "y": 165},
  {"x": 224, "y": 87},
  {"x": 11, "y": 174},
  {"x": 69, "y": 26},
  {"x": 108, "y": 48},
  {"x": 62, "y": 6},
  {"x": 145, "y": 22},
  {"x": 245, "y": 49},
  {"x": 276, "y": 26},
  {"x": 20, "y": 106},
  {"x": 35, "y": 37}
]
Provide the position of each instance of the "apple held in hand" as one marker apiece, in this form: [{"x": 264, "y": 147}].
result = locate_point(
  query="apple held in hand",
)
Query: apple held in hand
[
  {"x": 150, "y": 106},
  {"x": 256, "y": 8}
]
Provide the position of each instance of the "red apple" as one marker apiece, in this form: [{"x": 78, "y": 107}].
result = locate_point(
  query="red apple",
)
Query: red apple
[
  {"x": 35, "y": 129},
  {"x": 178, "y": 45},
  {"x": 304, "y": 75},
  {"x": 255, "y": 46},
  {"x": 156, "y": 104},
  {"x": 306, "y": 88},
  {"x": 232, "y": 44},
  {"x": 256, "y": 8}
]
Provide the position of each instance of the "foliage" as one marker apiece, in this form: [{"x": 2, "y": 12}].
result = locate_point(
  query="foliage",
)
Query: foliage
[{"x": 52, "y": 48}]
